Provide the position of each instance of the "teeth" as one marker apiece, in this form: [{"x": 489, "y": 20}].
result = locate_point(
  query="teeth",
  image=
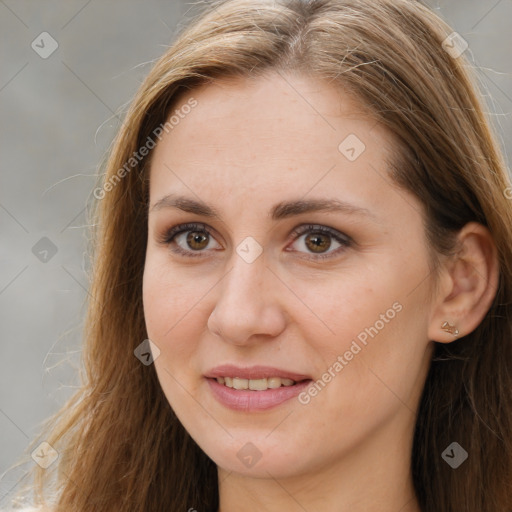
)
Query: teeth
[
  {"x": 258, "y": 384},
  {"x": 240, "y": 383},
  {"x": 255, "y": 384},
  {"x": 274, "y": 382}
]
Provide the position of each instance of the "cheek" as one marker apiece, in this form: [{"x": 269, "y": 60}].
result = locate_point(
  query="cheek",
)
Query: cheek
[
  {"x": 174, "y": 302},
  {"x": 336, "y": 310},
  {"x": 168, "y": 302},
  {"x": 368, "y": 339},
  {"x": 157, "y": 302},
  {"x": 168, "y": 297}
]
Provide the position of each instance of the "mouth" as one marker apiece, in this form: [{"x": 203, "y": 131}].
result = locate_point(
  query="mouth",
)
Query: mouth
[
  {"x": 255, "y": 388},
  {"x": 256, "y": 384}
]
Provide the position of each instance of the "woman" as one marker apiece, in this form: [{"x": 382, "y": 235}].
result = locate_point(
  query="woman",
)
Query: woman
[{"x": 303, "y": 281}]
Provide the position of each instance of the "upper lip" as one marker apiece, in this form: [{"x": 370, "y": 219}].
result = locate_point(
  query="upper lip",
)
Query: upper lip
[{"x": 253, "y": 372}]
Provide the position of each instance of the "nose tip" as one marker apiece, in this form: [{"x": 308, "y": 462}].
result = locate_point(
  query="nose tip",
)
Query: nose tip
[
  {"x": 244, "y": 309},
  {"x": 238, "y": 329}
]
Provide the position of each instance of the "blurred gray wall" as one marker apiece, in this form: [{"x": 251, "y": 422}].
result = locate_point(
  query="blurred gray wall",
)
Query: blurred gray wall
[{"x": 58, "y": 107}]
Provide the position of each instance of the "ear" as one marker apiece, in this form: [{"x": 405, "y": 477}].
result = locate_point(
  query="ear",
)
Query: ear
[{"x": 467, "y": 287}]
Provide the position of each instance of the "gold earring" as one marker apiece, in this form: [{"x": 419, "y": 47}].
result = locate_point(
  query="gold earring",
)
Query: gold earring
[{"x": 450, "y": 328}]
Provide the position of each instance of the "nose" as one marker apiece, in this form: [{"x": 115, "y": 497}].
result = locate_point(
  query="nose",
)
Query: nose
[{"x": 247, "y": 308}]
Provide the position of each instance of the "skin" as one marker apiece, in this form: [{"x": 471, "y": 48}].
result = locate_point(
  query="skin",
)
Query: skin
[{"x": 246, "y": 146}]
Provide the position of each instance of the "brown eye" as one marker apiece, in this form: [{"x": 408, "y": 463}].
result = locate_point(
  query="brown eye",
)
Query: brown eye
[
  {"x": 189, "y": 239},
  {"x": 196, "y": 240},
  {"x": 317, "y": 242},
  {"x": 319, "y": 239}
]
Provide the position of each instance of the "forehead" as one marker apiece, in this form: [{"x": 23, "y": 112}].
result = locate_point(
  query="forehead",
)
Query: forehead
[
  {"x": 274, "y": 102},
  {"x": 266, "y": 137}
]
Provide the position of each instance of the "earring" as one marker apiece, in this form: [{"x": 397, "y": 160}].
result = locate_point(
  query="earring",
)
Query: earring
[{"x": 447, "y": 327}]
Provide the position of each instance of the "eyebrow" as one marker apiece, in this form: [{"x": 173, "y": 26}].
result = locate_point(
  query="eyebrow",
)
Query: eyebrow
[{"x": 282, "y": 210}]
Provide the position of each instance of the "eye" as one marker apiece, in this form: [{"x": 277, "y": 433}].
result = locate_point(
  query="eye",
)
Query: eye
[
  {"x": 188, "y": 239},
  {"x": 319, "y": 240}
]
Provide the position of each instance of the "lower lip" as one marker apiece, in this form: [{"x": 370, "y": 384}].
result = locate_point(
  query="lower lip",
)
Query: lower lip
[{"x": 248, "y": 400}]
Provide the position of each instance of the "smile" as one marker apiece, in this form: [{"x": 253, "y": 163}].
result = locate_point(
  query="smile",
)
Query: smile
[
  {"x": 255, "y": 384},
  {"x": 253, "y": 395}
]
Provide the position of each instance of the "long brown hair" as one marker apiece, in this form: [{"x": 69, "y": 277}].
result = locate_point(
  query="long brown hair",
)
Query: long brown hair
[{"x": 121, "y": 446}]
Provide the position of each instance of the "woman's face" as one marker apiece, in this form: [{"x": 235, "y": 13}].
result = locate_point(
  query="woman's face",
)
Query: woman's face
[{"x": 262, "y": 285}]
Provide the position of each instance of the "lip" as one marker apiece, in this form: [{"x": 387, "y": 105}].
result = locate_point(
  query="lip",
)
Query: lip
[
  {"x": 248, "y": 400},
  {"x": 253, "y": 372}
]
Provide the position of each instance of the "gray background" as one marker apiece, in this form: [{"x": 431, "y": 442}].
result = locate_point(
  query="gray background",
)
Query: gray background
[{"x": 58, "y": 116}]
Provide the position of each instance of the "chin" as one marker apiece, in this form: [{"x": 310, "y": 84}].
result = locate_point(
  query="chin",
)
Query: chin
[{"x": 260, "y": 458}]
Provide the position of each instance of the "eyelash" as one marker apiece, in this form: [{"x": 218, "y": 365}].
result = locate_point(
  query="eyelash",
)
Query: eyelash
[{"x": 168, "y": 238}]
